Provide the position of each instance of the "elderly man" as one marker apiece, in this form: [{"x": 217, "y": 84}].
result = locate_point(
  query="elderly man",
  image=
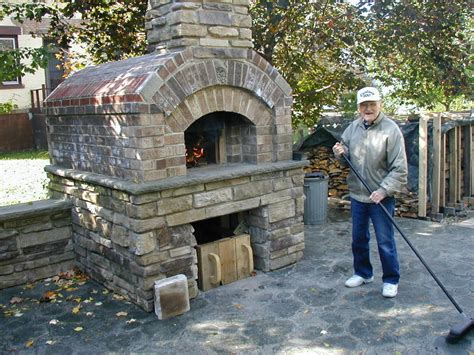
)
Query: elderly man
[{"x": 375, "y": 146}]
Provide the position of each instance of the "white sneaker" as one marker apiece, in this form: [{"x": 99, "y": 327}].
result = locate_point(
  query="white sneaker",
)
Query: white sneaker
[
  {"x": 389, "y": 290},
  {"x": 356, "y": 280}
]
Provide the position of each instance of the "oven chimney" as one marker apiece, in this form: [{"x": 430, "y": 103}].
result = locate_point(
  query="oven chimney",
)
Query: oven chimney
[{"x": 174, "y": 24}]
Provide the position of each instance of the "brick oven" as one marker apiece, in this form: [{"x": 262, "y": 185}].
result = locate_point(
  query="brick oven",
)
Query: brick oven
[{"x": 164, "y": 152}]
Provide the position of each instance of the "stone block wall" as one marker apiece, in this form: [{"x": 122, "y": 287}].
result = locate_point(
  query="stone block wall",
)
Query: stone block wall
[
  {"x": 174, "y": 24},
  {"x": 128, "y": 235},
  {"x": 35, "y": 241}
]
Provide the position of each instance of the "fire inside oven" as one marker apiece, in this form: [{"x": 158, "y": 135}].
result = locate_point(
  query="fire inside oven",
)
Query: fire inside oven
[{"x": 204, "y": 141}]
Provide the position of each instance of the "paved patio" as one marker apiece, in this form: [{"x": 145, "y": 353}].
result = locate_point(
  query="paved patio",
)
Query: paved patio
[{"x": 304, "y": 308}]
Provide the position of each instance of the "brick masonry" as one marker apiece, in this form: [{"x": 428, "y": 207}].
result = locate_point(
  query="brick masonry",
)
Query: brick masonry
[
  {"x": 129, "y": 235},
  {"x": 126, "y": 119},
  {"x": 116, "y": 136},
  {"x": 35, "y": 241}
]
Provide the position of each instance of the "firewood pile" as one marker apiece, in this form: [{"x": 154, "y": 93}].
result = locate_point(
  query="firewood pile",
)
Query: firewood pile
[{"x": 322, "y": 160}]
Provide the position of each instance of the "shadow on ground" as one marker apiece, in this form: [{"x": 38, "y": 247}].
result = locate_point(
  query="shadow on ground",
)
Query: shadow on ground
[{"x": 303, "y": 308}]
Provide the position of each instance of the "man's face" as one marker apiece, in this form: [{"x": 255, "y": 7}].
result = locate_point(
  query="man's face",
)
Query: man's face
[{"x": 369, "y": 110}]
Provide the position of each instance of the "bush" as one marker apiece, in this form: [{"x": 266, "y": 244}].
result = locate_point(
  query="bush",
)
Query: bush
[{"x": 7, "y": 107}]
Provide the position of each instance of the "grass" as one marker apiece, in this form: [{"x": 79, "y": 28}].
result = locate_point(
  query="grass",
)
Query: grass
[{"x": 24, "y": 155}]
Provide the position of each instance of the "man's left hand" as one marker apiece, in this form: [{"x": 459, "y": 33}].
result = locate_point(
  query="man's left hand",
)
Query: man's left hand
[{"x": 378, "y": 195}]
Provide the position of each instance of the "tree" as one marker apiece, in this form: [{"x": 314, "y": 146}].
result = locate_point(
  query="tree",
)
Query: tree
[
  {"x": 322, "y": 48},
  {"x": 107, "y": 30},
  {"x": 423, "y": 49},
  {"x": 314, "y": 46},
  {"x": 20, "y": 61}
]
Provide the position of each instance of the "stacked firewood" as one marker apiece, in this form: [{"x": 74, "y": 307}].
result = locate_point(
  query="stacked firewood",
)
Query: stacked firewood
[{"x": 322, "y": 160}]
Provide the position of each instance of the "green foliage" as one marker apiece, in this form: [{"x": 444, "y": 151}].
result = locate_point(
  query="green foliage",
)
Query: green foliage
[
  {"x": 7, "y": 107},
  {"x": 423, "y": 48},
  {"x": 18, "y": 62},
  {"x": 314, "y": 45},
  {"x": 25, "y": 155}
]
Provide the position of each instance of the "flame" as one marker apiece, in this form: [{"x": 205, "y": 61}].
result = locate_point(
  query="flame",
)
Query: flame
[{"x": 193, "y": 155}]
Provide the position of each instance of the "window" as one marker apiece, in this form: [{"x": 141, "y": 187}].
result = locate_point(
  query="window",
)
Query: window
[
  {"x": 8, "y": 44},
  {"x": 9, "y": 41}
]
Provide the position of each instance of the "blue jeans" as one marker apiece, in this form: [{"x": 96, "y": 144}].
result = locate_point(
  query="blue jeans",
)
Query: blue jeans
[{"x": 384, "y": 232}]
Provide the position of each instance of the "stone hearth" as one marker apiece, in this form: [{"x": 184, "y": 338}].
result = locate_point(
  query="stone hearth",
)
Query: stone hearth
[{"x": 119, "y": 136}]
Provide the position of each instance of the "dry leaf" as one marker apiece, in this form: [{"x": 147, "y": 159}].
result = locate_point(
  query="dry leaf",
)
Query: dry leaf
[
  {"x": 121, "y": 314},
  {"x": 29, "y": 343},
  {"x": 118, "y": 297},
  {"x": 105, "y": 292},
  {"x": 76, "y": 310},
  {"x": 15, "y": 300},
  {"x": 78, "y": 329},
  {"x": 98, "y": 304},
  {"x": 53, "y": 321},
  {"x": 78, "y": 299},
  {"x": 130, "y": 321},
  {"x": 89, "y": 314},
  {"x": 48, "y": 296},
  {"x": 324, "y": 332},
  {"x": 50, "y": 342},
  {"x": 306, "y": 311},
  {"x": 238, "y": 306},
  {"x": 18, "y": 314}
]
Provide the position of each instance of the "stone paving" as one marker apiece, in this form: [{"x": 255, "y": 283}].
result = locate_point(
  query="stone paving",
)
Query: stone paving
[{"x": 301, "y": 309}]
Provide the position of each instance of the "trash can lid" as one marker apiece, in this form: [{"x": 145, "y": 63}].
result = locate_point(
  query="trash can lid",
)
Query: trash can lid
[{"x": 315, "y": 175}]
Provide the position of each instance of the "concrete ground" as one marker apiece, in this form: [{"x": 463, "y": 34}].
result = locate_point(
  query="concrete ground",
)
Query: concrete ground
[{"x": 301, "y": 309}]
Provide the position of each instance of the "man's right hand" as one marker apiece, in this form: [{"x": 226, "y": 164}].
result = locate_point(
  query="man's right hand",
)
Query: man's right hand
[{"x": 338, "y": 149}]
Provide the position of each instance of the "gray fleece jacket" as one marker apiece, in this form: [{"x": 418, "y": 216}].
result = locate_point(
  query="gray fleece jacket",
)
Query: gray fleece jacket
[{"x": 378, "y": 153}]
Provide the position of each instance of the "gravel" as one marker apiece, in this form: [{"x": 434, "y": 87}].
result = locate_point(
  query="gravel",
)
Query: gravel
[{"x": 22, "y": 181}]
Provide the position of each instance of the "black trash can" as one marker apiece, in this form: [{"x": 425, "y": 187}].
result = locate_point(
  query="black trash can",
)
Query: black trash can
[{"x": 316, "y": 198}]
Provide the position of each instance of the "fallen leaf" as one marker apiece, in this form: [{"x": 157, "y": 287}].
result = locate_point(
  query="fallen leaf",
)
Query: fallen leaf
[
  {"x": 238, "y": 306},
  {"x": 94, "y": 291},
  {"x": 53, "y": 321},
  {"x": 78, "y": 329},
  {"x": 327, "y": 345},
  {"x": 121, "y": 314},
  {"x": 48, "y": 296},
  {"x": 324, "y": 332},
  {"x": 70, "y": 289},
  {"x": 89, "y": 314},
  {"x": 118, "y": 297},
  {"x": 105, "y": 292},
  {"x": 78, "y": 299},
  {"x": 15, "y": 300},
  {"x": 50, "y": 342},
  {"x": 130, "y": 321},
  {"x": 306, "y": 311},
  {"x": 76, "y": 310},
  {"x": 98, "y": 304},
  {"x": 18, "y": 314},
  {"x": 29, "y": 343}
]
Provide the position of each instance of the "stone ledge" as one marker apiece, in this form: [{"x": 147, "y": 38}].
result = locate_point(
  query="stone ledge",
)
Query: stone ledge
[
  {"x": 195, "y": 176},
  {"x": 30, "y": 209}
]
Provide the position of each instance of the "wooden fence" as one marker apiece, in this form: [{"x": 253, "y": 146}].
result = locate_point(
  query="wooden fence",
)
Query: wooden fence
[{"x": 452, "y": 177}]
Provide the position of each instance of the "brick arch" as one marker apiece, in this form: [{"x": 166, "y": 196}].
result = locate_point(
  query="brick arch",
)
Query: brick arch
[
  {"x": 183, "y": 75},
  {"x": 219, "y": 98}
]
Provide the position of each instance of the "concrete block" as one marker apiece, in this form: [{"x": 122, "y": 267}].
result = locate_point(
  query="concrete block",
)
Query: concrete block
[{"x": 171, "y": 296}]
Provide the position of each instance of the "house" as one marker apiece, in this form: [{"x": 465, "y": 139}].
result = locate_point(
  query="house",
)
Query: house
[{"x": 22, "y": 90}]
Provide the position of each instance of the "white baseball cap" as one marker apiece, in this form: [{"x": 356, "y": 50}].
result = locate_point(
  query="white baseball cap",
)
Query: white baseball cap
[{"x": 368, "y": 94}]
